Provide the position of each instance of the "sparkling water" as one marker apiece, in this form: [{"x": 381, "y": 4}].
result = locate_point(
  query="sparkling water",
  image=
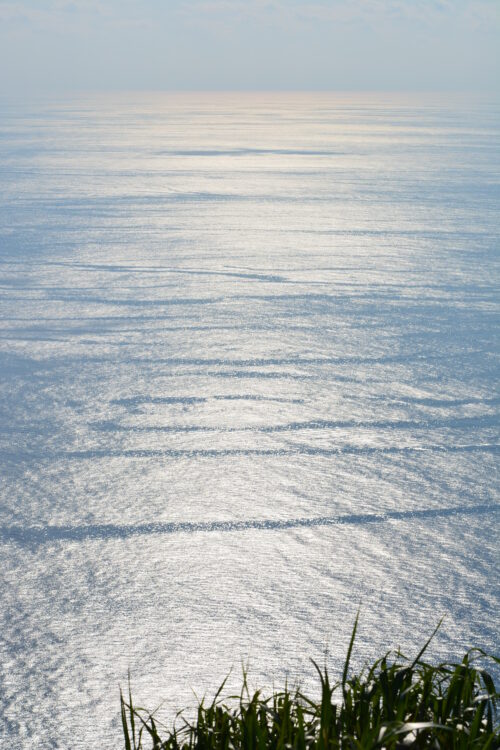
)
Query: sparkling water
[{"x": 249, "y": 360}]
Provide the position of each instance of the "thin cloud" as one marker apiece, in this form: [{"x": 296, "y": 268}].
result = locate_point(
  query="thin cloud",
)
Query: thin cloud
[
  {"x": 341, "y": 11},
  {"x": 63, "y": 13},
  {"x": 59, "y": 15}
]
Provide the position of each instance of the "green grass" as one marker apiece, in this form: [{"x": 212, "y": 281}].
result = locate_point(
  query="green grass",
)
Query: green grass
[{"x": 394, "y": 703}]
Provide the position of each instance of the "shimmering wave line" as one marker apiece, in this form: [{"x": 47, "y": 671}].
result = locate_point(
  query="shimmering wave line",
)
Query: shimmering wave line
[
  {"x": 251, "y": 152},
  {"x": 480, "y": 421},
  {"x": 284, "y": 361},
  {"x": 433, "y": 402},
  {"x": 298, "y": 361},
  {"x": 33, "y": 536},
  {"x": 338, "y": 299},
  {"x": 299, "y": 450},
  {"x": 128, "y": 301},
  {"x": 304, "y": 450},
  {"x": 138, "y": 400}
]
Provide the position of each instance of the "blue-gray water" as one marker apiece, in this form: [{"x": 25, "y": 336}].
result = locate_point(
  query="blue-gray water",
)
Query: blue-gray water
[{"x": 249, "y": 359}]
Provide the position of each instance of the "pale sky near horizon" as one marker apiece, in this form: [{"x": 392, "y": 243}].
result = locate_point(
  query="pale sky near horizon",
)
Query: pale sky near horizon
[{"x": 249, "y": 45}]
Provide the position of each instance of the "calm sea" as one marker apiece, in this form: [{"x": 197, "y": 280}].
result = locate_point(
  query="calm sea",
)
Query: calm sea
[{"x": 249, "y": 358}]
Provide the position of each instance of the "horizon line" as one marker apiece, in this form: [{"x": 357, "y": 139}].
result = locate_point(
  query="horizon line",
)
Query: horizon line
[{"x": 37, "y": 94}]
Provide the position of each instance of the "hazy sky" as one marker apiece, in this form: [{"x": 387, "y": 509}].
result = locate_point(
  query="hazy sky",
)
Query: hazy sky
[{"x": 249, "y": 44}]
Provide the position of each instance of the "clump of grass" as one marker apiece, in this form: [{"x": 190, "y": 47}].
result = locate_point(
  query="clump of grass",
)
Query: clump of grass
[{"x": 395, "y": 703}]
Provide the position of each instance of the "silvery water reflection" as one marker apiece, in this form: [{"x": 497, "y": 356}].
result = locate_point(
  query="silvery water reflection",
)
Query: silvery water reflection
[{"x": 248, "y": 361}]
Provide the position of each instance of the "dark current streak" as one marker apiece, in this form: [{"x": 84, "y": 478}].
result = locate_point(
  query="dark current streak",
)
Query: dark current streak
[{"x": 34, "y": 536}]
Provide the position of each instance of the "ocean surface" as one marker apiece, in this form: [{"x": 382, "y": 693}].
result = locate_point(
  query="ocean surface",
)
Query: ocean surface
[{"x": 249, "y": 384}]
